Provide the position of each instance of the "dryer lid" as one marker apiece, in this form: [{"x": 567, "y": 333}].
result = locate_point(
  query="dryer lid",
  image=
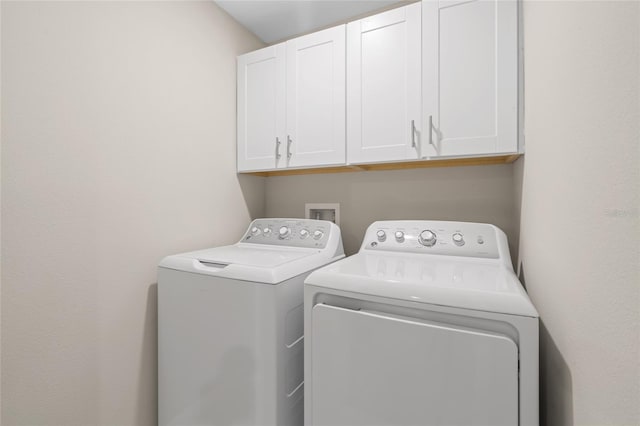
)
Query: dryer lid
[{"x": 439, "y": 280}]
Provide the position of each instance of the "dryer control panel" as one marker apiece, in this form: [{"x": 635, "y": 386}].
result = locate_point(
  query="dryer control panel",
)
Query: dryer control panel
[
  {"x": 437, "y": 237},
  {"x": 290, "y": 232}
]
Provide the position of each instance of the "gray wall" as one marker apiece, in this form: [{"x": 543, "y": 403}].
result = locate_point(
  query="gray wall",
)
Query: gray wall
[
  {"x": 118, "y": 148},
  {"x": 580, "y": 230},
  {"x": 474, "y": 194}
]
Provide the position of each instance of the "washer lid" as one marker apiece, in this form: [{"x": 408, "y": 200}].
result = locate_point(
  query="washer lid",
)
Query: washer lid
[
  {"x": 249, "y": 255},
  {"x": 250, "y": 262},
  {"x": 439, "y": 280}
]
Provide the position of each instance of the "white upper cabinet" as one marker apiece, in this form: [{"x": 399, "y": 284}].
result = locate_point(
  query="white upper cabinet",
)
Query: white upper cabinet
[
  {"x": 291, "y": 103},
  {"x": 261, "y": 109},
  {"x": 383, "y": 86},
  {"x": 316, "y": 99},
  {"x": 437, "y": 78},
  {"x": 470, "y": 77}
]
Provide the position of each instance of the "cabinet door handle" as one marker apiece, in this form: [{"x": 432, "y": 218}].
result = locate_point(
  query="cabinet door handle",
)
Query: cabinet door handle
[
  {"x": 289, "y": 142},
  {"x": 413, "y": 133},
  {"x": 431, "y": 134},
  {"x": 278, "y": 148}
]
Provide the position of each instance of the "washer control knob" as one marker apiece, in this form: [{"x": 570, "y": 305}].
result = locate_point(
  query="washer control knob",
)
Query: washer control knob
[
  {"x": 427, "y": 238},
  {"x": 317, "y": 234},
  {"x": 255, "y": 230},
  {"x": 458, "y": 239},
  {"x": 304, "y": 233},
  {"x": 381, "y": 235},
  {"x": 400, "y": 236},
  {"x": 266, "y": 232},
  {"x": 284, "y": 232}
]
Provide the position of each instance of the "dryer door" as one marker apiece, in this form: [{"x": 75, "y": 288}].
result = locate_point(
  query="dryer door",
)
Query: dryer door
[{"x": 371, "y": 368}]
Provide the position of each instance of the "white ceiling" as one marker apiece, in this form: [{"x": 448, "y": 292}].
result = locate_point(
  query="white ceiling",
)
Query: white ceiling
[{"x": 276, "y": 20}]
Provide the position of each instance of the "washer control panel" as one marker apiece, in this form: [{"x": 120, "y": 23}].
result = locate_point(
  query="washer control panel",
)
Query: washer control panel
[
  {"x": 434, "y": 237},
  {"x": 289, "y": 232}
]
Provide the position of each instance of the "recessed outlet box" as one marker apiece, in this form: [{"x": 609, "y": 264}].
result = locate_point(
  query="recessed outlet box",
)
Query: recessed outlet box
[{"x": 323, "y": 211}]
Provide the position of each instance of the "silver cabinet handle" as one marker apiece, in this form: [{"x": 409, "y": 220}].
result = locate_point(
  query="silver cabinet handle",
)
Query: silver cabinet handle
[
  {"x": 289, "y": 142},
  {"x": 431, "y": 134},
  {"x": 278, "y": 148},
  {"x": 413, "y": 133}
]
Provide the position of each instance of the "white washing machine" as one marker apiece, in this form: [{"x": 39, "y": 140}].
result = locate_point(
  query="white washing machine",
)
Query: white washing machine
[
  {"x": 426, "y": 325},
  {"x": 230, "y": 325}
]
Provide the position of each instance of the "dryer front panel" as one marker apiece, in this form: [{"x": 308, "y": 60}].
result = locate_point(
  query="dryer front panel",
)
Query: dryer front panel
[{"x": 372, "y": 368}]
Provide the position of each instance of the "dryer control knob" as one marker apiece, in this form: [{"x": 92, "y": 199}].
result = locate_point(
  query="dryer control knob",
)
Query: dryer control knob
[
  {"x": 427, "y": 238},
  {"x": 400, "y": 236},
  {"x": 317, "y": 234},
  {"x": 458, "y": 239},
  {"x": 284, "y": 232},
  {"x": 255, "y": 230},
  {"x": 381, "y": 235},
  {"x": 266, "y": 231},
  {"x": 304, "y": 233}
]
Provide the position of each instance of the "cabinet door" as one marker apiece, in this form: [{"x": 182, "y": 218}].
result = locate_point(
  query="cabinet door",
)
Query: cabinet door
[
  {"x": 470, "y": 77},
  {"x": 261, "y": 109},
  {"x": 383, "y": 86},
  {"x": 316, "y": 98}
]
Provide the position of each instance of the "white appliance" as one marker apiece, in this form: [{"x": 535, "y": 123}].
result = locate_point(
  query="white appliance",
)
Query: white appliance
[
  {"x": 230, "y": 325},
  {"x": 426, "y": 325}
]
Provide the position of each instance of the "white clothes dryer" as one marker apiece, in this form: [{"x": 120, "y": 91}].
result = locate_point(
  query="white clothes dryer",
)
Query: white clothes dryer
[
  {"x": 426, "y": 325},
  {"x": 230, "y": 325}
]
